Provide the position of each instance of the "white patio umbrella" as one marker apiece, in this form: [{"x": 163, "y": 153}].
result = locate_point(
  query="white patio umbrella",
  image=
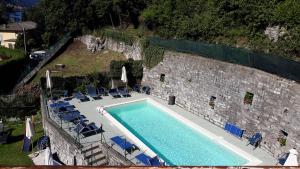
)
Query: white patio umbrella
[
  {"x": 48, "y": 156},
  {"x": 48, "y": 81},
  {"x": 124, "y": 75},
  {"x": 112, "y": 84},
  {"x": 29, "y": 129},
  {"x": 292, "y": 159}
]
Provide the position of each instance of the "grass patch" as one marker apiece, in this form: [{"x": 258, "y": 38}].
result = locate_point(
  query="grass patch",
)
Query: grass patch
[
  {"x": 79, "y": 61},
  {"x": 11, "y": 153}
]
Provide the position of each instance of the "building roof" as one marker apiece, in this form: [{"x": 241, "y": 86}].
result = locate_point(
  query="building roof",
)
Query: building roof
[{"x": 18, "y": 26}]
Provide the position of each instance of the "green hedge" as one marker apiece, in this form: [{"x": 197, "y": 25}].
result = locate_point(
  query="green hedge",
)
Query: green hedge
[{"x": 153, "y": 55}]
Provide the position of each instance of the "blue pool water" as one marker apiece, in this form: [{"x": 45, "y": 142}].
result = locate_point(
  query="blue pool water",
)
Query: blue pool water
[{"x": 173, "y": 141}]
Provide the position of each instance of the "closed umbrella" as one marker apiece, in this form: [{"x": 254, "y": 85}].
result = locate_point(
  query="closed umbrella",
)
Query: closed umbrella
[
  {"x": 48, "y": 157},
  {"x": 292, "y": 159},
  {"x": 124, "y": 75},
  {"x": 48, "y": 81},
  {"x": 112, "y": 84},
  {"x": 29, "y": 129}
]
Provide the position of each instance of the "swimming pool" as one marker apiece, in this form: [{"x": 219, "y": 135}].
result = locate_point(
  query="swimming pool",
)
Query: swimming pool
[{"x": 173, "y": 141}]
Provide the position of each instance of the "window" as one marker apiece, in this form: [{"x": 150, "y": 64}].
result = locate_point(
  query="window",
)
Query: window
[
  {"x": 10, "y": 45},
  {"x": 248, "y": 98},
  {"x": 162, "y": 77},
  {"x": 282, "y": 137},
  {"x": 212, "y": 102}
]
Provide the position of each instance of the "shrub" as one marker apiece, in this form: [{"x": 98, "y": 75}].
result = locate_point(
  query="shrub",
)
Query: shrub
[{"x": 153, "y": 55}]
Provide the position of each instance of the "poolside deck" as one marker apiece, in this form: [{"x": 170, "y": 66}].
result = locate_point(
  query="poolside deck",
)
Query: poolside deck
[{"x": 89, "y": 110}]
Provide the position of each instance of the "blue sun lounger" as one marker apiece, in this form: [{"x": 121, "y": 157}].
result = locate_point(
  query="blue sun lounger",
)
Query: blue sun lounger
[
  {"x": 123, "y": 91},
  {"x": 148, "y": 161},
  {"x": 26, "y": 144},
  {"x": 70, "y": 116},
  {"x": 87, "y": 129},
  {"x": 255, "y": 139},
  {"x": 234, "y": 130},
  {"x": 91, "y": 91},
  {"x": 125, "y": 145},
  {"x": 81, "y": 97},
  {"x": 59, "y": 105},
  {"x": 114, "y": 93},
  {"x": 102, "y": 91},
  {"x": 137, "y": 88}
]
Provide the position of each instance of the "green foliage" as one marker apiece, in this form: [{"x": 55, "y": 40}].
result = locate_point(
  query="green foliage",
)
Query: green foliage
[
  {"x": 12, "y": 54},
  {"x": 134, "y": 69},
  {"x": 119, "y": 36},
  {"x": 235, "y": 23},
  {"x": 152, "y": 56}
]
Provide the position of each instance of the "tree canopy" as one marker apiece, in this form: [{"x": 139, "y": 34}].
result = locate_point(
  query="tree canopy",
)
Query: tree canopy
[{"x": 236, "y": 23}]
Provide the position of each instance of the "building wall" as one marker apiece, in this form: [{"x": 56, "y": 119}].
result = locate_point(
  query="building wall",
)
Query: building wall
[
  {"x": 8, "y": 35},
  {"x": 194, "y": 80}
]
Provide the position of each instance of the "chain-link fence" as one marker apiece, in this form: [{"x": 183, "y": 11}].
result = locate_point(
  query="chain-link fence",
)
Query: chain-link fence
[{"x": 272, "y": 64}]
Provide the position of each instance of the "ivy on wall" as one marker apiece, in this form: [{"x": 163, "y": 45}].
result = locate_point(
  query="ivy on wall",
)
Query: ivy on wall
[{"x": 153, "y": 55}]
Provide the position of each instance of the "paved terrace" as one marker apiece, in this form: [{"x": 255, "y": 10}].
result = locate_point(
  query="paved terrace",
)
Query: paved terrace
[{"x": 89, "y": 110}]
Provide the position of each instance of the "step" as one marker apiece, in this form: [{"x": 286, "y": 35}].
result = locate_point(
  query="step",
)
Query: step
[
  {"x": 93, "y": 154},
  {"x": 89, "y": 148},
  {"x": 100, "y": 160}
]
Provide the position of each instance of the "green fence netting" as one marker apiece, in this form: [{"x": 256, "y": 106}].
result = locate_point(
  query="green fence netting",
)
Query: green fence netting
[{"x": 281, "y": 66}]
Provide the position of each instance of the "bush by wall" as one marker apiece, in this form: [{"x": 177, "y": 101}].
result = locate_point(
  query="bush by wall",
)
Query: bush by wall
[{"x": 153, "y": 55}]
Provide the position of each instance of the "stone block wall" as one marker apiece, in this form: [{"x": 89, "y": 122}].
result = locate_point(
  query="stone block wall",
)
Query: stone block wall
[{"x": 217, "y": 89}]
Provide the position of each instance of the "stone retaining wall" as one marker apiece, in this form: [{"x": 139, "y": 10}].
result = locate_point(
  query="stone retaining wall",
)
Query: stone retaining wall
[
  {"x": 196, "y": 81},
  {"x": 134, "y": 51}
]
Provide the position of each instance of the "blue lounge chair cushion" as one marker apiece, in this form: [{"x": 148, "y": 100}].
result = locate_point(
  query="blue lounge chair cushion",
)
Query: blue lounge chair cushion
[
  {"x": 122, "y": 143},
  {"x": 114, "y": 92},
  {"x": 70, "y": 116},
  {"x": 137, "y": 88},
  {"x": 91, "y": 91},
  {"x": 123, "y": 91},
  {"x": 59, "y": 105}
]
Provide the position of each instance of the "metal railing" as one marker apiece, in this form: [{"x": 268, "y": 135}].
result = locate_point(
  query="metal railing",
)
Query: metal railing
[{"x": 53, "y": 50}]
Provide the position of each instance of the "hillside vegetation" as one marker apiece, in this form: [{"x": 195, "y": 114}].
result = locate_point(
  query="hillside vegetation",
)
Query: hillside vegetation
[{"x": 235, "y": 23}]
